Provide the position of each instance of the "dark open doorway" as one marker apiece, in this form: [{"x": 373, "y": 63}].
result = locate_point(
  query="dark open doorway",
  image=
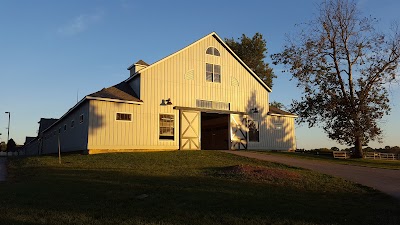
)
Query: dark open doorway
[{"x": 214, "y": 131}]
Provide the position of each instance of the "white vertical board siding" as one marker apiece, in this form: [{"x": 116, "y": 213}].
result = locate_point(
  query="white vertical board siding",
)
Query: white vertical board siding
[
  {"x": 168, "y": 78},
  {"x": 105, "y": 132},
  {"x": 280, "y": 139},
  {"x": 73, "y": 138}
]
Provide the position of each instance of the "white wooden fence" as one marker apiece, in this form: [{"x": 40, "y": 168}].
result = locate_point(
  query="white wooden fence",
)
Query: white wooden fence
[
  {"x": 382, "y": 156},
  {"x": 341, "y": 155},
  {"x": 367, "y": 155}
]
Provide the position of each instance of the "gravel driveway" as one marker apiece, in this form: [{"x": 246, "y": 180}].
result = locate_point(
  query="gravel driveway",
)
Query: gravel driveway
[{"x": 385, "y": 180}]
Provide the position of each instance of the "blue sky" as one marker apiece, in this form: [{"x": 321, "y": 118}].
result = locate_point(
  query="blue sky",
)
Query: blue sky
[{"x": 52, "y": 50}]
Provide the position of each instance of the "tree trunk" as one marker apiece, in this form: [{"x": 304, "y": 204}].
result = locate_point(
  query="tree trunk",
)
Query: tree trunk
[{"x": 358, "y": 153}]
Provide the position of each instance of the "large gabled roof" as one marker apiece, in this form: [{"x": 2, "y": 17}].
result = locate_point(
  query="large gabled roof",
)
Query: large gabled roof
[{"x": 213, "y": 34}]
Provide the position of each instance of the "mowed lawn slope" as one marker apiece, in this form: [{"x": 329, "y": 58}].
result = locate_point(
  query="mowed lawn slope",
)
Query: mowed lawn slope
[{"x": 182, "y": 187}]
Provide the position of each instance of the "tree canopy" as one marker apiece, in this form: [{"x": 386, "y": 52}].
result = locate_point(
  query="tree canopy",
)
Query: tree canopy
[
  {"x": 11, "y": 145},
  {"x": 278, "y": 105},
  {"x": 342, "y": 64},
  {"x": 253, "y": 51}
]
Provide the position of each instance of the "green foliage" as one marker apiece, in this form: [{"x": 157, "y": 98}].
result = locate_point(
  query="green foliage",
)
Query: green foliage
[
  {"x": 252, "y": 51},
  {"x": 368, "y": 149},
  {"x": 277, "y": 105},
  {"x": 335, "y": 149},
  {"x": 388, "y": 149},
  {"x": 181, "y": 187},
  {"x": 342, "y": 65},
  {"x": 3, "y": 146}
]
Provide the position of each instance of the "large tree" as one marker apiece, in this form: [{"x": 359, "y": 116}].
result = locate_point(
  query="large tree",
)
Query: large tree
[
  {"x": 11, "y": 145},
  {"x": 343, "y": 66},
  {"x": 253, "y": 51}
]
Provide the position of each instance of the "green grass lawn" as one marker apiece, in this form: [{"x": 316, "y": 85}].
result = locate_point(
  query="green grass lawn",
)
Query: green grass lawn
[
  {"x": 374, "y": 163},
  {"x": 182, "y": 187}
]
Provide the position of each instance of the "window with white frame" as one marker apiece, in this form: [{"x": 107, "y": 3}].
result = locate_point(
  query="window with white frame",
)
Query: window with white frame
[
  {"x": 72, "y": 123},
  {"x": 166, "y": 127},
  {"x": 81, "y": 118},
  {"x": 213, "y": 73},
  {"x": 123, "y": 117},
  {"x": 254, "y": 131}
]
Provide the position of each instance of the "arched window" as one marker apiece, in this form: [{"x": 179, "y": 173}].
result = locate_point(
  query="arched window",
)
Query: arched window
[
  {"x": 212, "y": 51},
  {"x": 216, "y": 52}
]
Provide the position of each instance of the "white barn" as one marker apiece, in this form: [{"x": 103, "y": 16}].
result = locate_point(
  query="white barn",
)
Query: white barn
[{"x": 201, "y": 97}]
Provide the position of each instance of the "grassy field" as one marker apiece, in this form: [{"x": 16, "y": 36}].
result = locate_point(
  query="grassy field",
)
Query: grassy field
[
  {"x": 182, "y": 187},
  {"x": 373, "y": 163}
]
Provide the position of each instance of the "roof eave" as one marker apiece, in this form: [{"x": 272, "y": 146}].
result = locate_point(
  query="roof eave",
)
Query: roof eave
[
  {"x": 114, "y": 100},
  {"x": 65, "y": 114},
  {"x": 274, "y": 114},
  {"x": 241, "y": 62}
]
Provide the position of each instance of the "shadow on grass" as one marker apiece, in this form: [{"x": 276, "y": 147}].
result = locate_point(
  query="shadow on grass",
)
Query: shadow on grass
[{"x": 48, "y": 195}]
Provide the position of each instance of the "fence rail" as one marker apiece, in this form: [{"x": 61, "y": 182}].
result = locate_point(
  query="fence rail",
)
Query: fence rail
[
  {"x": 382, "y": 156},
  {"x": 341, "y": 155}
]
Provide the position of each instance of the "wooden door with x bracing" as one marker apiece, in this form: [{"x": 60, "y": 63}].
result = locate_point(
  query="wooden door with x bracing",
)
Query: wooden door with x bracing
[
  {"x": 190, "y": 130},
  {"x": 239, "y": 131}
]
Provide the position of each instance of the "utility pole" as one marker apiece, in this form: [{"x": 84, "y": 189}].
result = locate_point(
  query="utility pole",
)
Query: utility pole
[{"x": 8, "y": 129}]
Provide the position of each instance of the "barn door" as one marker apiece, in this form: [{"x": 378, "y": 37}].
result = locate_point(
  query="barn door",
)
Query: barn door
[
  {"x": 190, "y": 130},
  {"x": 239, "y": 132}
]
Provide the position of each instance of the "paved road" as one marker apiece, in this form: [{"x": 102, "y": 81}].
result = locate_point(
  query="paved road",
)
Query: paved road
[
  {"x": 385, "y": 180},
  {"x": 3, "y": 169}
]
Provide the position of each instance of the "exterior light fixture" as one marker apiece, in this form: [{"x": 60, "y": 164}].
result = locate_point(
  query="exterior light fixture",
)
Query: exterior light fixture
[
  {"x": 165, "y": 102},
  {"x": 255, "y": 110}
]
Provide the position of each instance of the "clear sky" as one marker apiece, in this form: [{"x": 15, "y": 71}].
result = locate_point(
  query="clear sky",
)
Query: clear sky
[{"x": 52, "y": 50}]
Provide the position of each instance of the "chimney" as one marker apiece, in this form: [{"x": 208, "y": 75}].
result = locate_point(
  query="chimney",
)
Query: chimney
[{"x": 136, "y": 67}]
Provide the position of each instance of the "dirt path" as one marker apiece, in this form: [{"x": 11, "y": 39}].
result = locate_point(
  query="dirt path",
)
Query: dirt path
[
  {"x": 3, "y": 169},
  {"x": 385, "y": 180}
]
